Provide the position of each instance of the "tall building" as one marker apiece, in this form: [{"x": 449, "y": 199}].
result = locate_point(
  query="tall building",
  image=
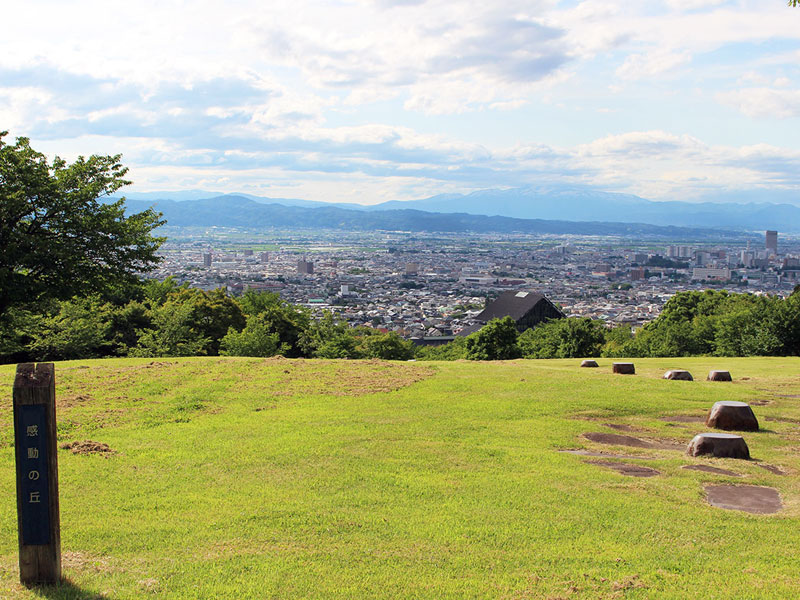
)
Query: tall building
[
  {"x": 305, "y": 267},
  {"x": 264, "y": 257},
  {"x": 412, "y": 268},
  {"x": 207, "y": 259},
  {"x": 772, "y": 241}
]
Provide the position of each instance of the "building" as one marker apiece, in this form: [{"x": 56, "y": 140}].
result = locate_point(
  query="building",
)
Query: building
[
  {"x": 305, "y": 267},
  {"x": 206, "y": 259},
  {"x": 412, "y": 268},
  {"x": 772, "y": 241},
  {"x": 528, "y": 309},
  {"x": 711, "y": 274}
]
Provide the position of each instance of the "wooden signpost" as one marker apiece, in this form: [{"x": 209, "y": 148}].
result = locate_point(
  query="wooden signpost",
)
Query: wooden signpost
[{"x": 37, "y": 474}]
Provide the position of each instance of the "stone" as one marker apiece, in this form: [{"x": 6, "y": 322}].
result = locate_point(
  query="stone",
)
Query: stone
[
  {"x": 624, "y": 369},
  {"x": 721, "y": 445},
  {"x": 589, "y": 363},
  {"x": 708, "y": 469},
  {"x": 625, "y": 469},
  {"x": 749, "y": 498},
  {"x": 678, "y": 375},
  {"x": 732, "y": 416},
  {"x": 719, "y": 376}
]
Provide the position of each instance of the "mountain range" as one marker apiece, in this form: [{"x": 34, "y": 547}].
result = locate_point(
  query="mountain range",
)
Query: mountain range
[
  {"x": 554, "y": 202},
  {"x": 246, "y": 213}
]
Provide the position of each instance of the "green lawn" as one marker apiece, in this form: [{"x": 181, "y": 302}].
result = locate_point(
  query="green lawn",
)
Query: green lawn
[{"x": 251, "y": 478}]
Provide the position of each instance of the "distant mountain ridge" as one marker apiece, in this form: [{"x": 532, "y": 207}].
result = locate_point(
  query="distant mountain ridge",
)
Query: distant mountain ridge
[
  {"x": 568, "y": 203},
  {"x": 245, "y": 213}
]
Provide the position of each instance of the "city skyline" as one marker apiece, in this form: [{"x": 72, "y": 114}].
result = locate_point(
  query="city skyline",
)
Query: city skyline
[{"x": 368, "y": 101}]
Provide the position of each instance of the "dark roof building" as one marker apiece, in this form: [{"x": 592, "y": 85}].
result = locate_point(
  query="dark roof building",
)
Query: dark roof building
[{"x": 528, "y": 309}]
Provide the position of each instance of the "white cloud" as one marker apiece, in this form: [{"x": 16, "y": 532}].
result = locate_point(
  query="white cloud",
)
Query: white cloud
[{"x": 764, "y": 102}]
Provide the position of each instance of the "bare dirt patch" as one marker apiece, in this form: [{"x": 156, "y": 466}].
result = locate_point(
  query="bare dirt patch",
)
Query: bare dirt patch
[
  {"x": 772, "y": 469},
  {"x": 748, "y": 498},
  {"x": 710, "y": 469},
  {"x": 759, "y": 402},
  {"x": 72, "y": 400},
  {"x": 346, "y": 378},
  {"x": 87, "y": 447},
  {"x": 623, "y": 427},
  {"x": 615, "y": 439},
  {"x": 625, "y": 469},
  {"x": 684, "y": 419},
  {"x": 781, "y": 419}
]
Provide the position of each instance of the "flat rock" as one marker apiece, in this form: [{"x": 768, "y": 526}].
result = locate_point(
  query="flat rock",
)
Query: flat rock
[
  {"x": 732, "y": 416},
  {"x": 589, "y": 363},
  {"x": 607, "y": 455},
  {"x": 623, "y": 368},
  {"x": 748, "y": 498},
  {"x": 678, "y": 375},
  {"x": 721, "y": 445},
  {"x": 615, "y": 439},
  {"x": 719, "y": 376},
  {"x": 625, "y": 469},
  {"x": 708, "y": 469}
]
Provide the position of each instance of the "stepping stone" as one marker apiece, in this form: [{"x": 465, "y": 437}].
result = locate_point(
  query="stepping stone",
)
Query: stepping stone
[
  {"x": 678, "y": 375},
  {"x": 625, "y": 469},
  {"x": 749, "y": 498},
  {"x": 732, "y": 416},
  {"x": 721, "y": 445},
  {"x": 719, "y": 376},
  {"x": 623, "y": 369},
  {"x": 589, "y": 363},
  {"x": 707, "y": 469},
  {"x": 615, "y": 439}
]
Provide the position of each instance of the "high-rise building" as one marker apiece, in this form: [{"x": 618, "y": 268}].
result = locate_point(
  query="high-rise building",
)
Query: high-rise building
[
  {"x": 412, "y": 268},
  {"x": 264, "y": 257},
  {"x": 207, "y": 259},
  {"x": 305, "y": 267},
  {"x": 772, "y": 241}
]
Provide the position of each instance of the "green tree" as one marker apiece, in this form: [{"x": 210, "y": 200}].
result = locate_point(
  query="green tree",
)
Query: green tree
[
  {"x": 563, "y": 338},
  {"x": 212, "y": 314},
  {"x": 256, "y": 339},
  {"x": 497, "y": 340},
  {"x": 78, "y": 329},
  {"x": 290, "y": 322},
  {"x": 57, "y": 238},
  {"x": 172, "y": 333},
  {"x": 329, "y": 338},
  {"x": 387, "y": 346}
]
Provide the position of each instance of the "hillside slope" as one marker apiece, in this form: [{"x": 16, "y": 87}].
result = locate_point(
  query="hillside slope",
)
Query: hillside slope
[{"x": 255, "y": 478}]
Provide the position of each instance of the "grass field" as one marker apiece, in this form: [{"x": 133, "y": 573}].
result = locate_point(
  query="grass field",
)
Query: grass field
[{"x": 252, "y": 478}]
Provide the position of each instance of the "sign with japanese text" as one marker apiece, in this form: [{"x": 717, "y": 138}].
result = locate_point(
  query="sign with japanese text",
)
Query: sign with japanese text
[{"x": 32, "y": 459}]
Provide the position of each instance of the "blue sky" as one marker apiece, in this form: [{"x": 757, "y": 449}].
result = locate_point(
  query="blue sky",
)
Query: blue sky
[{"x": 374, "y": 100}]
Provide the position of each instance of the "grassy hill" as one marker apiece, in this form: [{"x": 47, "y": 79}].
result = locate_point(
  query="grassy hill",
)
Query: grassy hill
[{"x": 275, "y": 478}]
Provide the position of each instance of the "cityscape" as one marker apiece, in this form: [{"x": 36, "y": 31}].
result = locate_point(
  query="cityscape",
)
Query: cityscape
[{"x": 427, "y": 285}]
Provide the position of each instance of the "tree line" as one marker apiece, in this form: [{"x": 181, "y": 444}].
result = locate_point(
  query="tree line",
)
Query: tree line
[{"x": 159, "y": 319}]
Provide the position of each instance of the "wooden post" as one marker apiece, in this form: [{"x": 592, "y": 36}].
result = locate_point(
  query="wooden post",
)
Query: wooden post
[{"x": 38, "y": 518}]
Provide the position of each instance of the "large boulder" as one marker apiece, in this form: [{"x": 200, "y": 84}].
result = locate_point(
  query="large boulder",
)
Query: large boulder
[
  {"x": 732, "y": 416},
  {"x": 721, "y": 445},
  {"x": 589, "y": 363},
  {"x": 623, "y": 368}
]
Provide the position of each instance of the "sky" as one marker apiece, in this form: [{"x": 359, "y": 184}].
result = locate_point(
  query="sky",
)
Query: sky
[{"x": 373, "y": 100}]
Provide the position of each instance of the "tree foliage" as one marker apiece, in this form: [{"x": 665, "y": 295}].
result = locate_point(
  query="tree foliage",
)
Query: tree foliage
[
  {"x": 497, "y": 340},
  {"x": 563, "y": 338},
  {"x": 57, "y": 238}
]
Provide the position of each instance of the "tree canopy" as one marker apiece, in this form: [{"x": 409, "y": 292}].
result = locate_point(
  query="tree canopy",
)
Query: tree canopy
[{"x": 58, "y": 238}]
